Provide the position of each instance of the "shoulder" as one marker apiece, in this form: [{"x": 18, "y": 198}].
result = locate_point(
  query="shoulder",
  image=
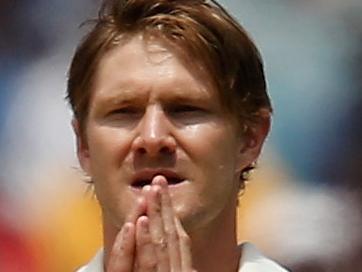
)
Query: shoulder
[
  {"x": 95, "y": 265},
  {"x": 254, "y": 261}
]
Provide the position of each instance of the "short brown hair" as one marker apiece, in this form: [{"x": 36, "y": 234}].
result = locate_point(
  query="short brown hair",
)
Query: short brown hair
[{"x": 201, "y": 28}]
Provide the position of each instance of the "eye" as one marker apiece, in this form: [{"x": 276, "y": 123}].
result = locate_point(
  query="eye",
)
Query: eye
[
  {"x": 124, "y": 116},
  {"x": 179, "y": 109},
  {"x": 187, "y": 114},
  {"x": 125, "y": 111}
]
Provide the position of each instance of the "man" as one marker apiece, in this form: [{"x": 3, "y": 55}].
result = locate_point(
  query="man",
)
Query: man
[{"x": 170, "y": 113}]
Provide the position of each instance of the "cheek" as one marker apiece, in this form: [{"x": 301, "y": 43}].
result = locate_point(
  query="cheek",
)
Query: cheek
[
  {"x": 213, "y": 145},
  {"x": 213, "y": 152},
  {"x": 107, "y": 148}
]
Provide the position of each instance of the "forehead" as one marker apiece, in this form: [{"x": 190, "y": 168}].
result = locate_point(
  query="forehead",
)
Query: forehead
[{"x": 139, "y": 63}]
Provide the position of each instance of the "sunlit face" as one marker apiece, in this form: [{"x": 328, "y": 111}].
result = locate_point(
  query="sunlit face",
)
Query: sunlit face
[{"x": 150, "y": 114}]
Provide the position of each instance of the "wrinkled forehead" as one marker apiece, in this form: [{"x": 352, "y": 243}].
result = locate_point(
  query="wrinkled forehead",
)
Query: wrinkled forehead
[
  {"x": 158, "y": 49},
  {"x": 162, "y": 47}
]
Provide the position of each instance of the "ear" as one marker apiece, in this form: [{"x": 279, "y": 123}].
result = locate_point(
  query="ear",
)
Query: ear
[
  {"x": 252, "y": 138},
  {"x": 82, "y": 147}
]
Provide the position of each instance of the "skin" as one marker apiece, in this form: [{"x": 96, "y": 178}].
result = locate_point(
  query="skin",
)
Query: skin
[
  {"x": 149, "y": 111},
  {"x": 159, "y": 238}
]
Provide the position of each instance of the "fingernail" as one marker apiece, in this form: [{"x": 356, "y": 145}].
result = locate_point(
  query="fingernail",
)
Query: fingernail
[{"x": 156, "y": 179}]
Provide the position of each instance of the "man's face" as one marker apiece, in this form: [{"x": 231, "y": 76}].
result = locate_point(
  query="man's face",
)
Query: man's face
[{"x": 150, "y": 114}]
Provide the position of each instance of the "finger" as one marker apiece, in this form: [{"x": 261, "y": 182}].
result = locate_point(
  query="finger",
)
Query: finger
[
  {"x": 168, "y": 217},
  {"x": 122, "y": 254},
  {"x": 124, "y": 239},
  {"x": 137, "y": 210},
  {"x": 145, "y": 255},
  {"x": 153, "y": 198},
  {"x": 185, "y": 247}
]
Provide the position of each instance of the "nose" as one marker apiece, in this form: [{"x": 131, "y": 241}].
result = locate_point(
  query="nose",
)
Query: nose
[{"x": 154, "y": 137}]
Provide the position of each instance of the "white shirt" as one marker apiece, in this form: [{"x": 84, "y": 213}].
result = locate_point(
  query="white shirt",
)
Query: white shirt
[{"x": 251, "y": 261}]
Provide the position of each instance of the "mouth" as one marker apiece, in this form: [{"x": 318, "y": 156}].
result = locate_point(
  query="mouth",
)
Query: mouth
[{"x": 145, "y": 177}]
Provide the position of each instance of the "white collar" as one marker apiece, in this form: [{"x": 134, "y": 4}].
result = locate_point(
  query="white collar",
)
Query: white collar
[
  {"x": 253, "y": 261},
  {"x": 95, "y": 265}
]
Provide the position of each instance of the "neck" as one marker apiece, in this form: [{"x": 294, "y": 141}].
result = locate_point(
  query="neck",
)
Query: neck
[{"x": 215, "y": 247}]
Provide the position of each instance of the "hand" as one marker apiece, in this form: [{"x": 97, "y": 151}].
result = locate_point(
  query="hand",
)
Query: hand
[{"x": 155, "y": 242}]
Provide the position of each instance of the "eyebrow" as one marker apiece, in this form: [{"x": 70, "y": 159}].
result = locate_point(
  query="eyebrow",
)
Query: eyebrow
[
  {"x": 120, "y": 96},
  {"x": 129, "y": 93},
  {"x": 181, "y": 94}
]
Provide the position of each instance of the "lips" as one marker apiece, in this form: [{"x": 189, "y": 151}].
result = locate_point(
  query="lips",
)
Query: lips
[{"x": 145, "y": 177}]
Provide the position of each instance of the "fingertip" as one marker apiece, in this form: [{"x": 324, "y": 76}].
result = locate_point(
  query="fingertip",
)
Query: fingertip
[
  {"x": 128, "y": 228},
  {"x": 146, "y": 188},
  {"x": 159, "y": 180},
  {"x": 143, "y": 221},
  {"x": 122, "y": 252},
  {"x": 143, "y": 218},
  {"x": 123, "y": 235}
]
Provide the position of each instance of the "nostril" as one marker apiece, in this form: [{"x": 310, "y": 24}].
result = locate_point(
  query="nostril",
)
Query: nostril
[
  {"x": 165, "y": 150},
  {"x": 142, "y": 150},
  {"x": 153, "y": 146}
]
